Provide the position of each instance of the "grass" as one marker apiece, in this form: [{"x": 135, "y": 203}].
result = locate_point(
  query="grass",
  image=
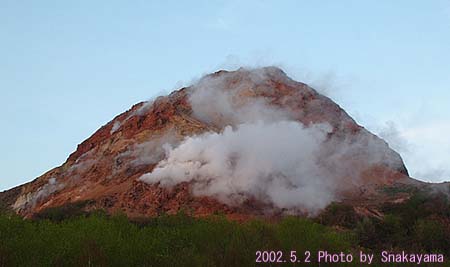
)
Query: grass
[
  {"x": 67, "y": 236},
  {"x": 100, "y": 240}
]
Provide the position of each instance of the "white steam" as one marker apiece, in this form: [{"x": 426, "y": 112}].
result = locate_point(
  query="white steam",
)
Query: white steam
[
  {"x": 150, "y": 152},
  {"x": 258, "y": 160},
  {"x": 424, "y": 147},
  {"x": 262, "y": 153},
  {"x": 115, "y": 127},
  {"x": 32, "y": 198},
  {"x": 214, "y": 101}
]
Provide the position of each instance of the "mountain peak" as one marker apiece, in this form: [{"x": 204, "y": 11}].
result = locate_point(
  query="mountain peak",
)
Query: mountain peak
[{"x": 246, "y": 142}]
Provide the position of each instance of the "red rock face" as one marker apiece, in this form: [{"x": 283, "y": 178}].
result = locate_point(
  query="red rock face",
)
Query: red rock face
[{"x": 107, "y": 166}]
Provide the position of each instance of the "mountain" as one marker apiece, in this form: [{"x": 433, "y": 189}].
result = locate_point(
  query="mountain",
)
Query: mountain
[{"x": 250, "y": 142}]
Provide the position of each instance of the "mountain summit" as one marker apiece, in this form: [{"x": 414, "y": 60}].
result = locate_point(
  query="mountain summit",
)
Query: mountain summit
[{"x": 246, "y": 143}]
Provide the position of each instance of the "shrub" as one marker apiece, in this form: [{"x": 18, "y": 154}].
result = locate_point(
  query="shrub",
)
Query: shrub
[{"x": 339, "y": 214}]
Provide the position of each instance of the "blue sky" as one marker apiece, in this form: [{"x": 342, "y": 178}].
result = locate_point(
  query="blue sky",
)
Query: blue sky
[{"x": 68, "y": 67}]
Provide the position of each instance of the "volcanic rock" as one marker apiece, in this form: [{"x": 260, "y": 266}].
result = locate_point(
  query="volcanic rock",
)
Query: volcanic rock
[{"x": 106, "y": 168}]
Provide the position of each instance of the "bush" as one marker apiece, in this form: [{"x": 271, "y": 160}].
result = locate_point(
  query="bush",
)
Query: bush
[
  {"x": 67, "y": 211},
  {"x": 432, "y": 236},
  {"x": 179, "y": 240},
  {"x": 339, "y": 214},
  {"x": 68, "y": 236},
  {"x": 419, "y": 224}
]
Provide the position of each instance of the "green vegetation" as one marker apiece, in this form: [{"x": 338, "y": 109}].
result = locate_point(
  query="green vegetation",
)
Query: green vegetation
[
  {"x": 420, "y": 224},
  {"x": 67, "y": 236},
  {"x": 394, "y": 190},
  {"x": 99, "y": 240}
]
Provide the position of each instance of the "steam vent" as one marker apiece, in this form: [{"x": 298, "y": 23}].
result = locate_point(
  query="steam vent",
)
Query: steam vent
[{"x": 246, "y": 143}]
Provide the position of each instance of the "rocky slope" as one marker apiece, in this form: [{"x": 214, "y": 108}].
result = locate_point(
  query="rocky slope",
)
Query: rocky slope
[{"x": 113, "y": 168}]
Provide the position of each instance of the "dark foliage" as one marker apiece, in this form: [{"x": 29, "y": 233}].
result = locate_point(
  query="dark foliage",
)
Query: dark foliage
[
  {"x": 179, "y": 240},
  {"x": 421, "y": 223},
  {"x": 69, "y": 236},
  {"x": 339, "y": 214},
  {"x": 68, "y": 211}
]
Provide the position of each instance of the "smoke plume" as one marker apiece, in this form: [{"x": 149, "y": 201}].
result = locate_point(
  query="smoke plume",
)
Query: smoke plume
[
  {"x": 260, "y": 151},
  {"x": 274, "y": 162}
]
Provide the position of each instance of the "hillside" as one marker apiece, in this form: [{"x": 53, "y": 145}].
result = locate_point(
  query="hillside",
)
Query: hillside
[{"x": 246, "y": 143}]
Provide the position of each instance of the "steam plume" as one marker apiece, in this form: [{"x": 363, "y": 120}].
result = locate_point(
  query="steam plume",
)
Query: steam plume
[{"x": 262, "y": 152}]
